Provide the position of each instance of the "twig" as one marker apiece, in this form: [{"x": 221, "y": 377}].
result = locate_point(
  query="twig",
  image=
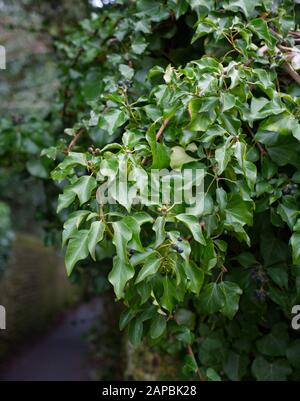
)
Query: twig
[
  {"x": 288, "y": 49},
  {"x": 201, "y": 378},
  {"x": 292, "y": 73},
  {"x": 161, "y": 130},
  {"x": 102, "y": 217},
  {"x": 261, "y": 149},
  {"x": 75, "y": 139},
  {"x": 287, "y": 66},
  {"x": 276, "y": 34}
]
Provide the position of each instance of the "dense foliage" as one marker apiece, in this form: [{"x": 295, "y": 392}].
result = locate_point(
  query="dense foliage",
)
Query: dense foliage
[{"x": 194, "y": 84}]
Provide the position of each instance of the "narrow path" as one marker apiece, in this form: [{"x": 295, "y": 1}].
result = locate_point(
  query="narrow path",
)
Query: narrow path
[{"x": 62, "y": 354}]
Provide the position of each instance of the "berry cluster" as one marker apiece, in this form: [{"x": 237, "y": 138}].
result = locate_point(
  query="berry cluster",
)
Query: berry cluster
[
  {"x": 290, "y": 189},
  {"x": 125, "y": 84},
  {"x": 177, "y": 248},
  {"x": 93, "y": 151},
  {"x": 260, "y": 278}
]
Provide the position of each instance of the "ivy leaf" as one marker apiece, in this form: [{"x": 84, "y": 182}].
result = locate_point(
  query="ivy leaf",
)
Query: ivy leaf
[
  {"x": 235, "y": 366},
  {"x": 228, "y": 101},
  {"x": 122, "y": 235},
  {"x": 260, "y": 28},
  {"x": 170, "y": 295},
  {"x": 179, "y": 157},
  {"x": 246, "y": 6},
  {"x": 113, "y": 119},
  {"x": 65, "y": 199},
  {"x": 295, "y": 243},
  {"x": 212, "y": 375},
  {"x": 158, "y": 326},
  {"x": 83, "y": 188},
  {"x": 288, "y": 210},
  {"x": 212, "y": 298},
  {"x": 127, "y": 71},
  {"x": 277, "y": 370},
  {"x": 73, "y": 159},
  {"x": 126, "y": 316},
  {"x": 185, "y": 317},
  {"x": 71, "y": 225},
  {"x": 77, "y": 249},
  {"x": 204, "y": 27},
  {"x": 50, "y": 152},
  {"x": 135, "y": 227},
  {"x": 139, "y": 258},
  {"x": 195, "y": 276},
  {"x": 190, "y": 365},
  {"x": 160, "y": 153},
  {"x": 238, "y": 211},
  {"x": 284, "y": 124},
  {"x": 135, "y": 331},
  {"x": 274, "y": 343},
  {"x": 150, "y": 267},
  {"x": 248, "y": 168},
  {"x": 95, "y": 235},
  {"x": 223, "y": 155},
  {"x": 159, "y": 228},
  {"x": 282, "y": 149},
  {"x": 231, "y": 292},
  {"x": 193, "y": 225},
  {"x": 120, "y": 274}
]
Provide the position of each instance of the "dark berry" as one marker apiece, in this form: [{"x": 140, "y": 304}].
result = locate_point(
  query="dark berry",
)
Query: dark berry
[
  {"x": 180, "y": 239},
  {"x": 179, "y": 250},
  {"x": 90, "y": 149},
  {"x": 131, "y": 251},
  {"x": 260, "y": 294}
]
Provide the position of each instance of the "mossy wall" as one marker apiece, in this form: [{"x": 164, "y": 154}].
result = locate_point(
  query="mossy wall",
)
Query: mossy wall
[
  {"x": 144, "y": 363},
  {"x": 33, "y": 289}
]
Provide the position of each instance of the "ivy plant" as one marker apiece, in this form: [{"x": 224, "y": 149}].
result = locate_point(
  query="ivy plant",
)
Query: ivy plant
[{"x": 215, "y": 288}]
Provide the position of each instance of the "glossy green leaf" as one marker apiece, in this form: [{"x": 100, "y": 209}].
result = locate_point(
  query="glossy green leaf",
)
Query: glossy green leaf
[
  {"x": 158, "y": 326},
  {"x": 77, "y": 249},
  {"x": 193, "y": 225},
  {"x": 95, "y": 236},
  {"x": 150, "y": 267},
  {"x": 121, "y": 272}
]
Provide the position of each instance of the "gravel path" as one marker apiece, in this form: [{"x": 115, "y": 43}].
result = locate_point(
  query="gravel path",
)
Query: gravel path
[{"x": 62, "y": 354}]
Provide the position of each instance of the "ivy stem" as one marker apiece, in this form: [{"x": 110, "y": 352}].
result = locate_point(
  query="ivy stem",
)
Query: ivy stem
[
  {"x": 161, "y": 130},
  {"x": 261, "y": 149},
  {"x": 190, "y": 351},
  {"x": 75, "y": 139},
  {"x": 102, "y": 217},
  {"x": 292, "y": 73}
]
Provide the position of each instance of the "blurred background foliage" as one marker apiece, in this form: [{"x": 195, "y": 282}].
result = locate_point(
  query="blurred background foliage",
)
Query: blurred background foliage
[{"x": 28, "y": 89}]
